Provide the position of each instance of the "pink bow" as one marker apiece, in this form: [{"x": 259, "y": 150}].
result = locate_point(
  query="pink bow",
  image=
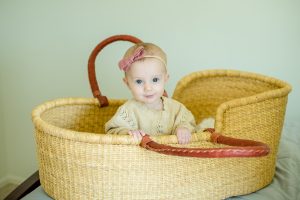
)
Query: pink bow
[{"x": 125, "y": 63}]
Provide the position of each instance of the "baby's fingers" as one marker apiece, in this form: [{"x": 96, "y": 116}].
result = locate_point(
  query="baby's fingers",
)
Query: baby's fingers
[
  {"x": 187, "y": 139},
  {"x": 136, "y": 134},
  {"x": 184, "y": 138}
]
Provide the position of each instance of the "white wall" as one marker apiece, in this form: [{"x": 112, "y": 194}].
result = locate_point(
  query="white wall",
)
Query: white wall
[
  {"x": 2, "y": 139},
  {"x": 45, "y": 47}
]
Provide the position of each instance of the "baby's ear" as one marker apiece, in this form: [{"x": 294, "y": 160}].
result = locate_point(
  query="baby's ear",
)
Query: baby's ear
[
  {"x": 125, "y": 81},
  {"x": 167, "y": 76}
]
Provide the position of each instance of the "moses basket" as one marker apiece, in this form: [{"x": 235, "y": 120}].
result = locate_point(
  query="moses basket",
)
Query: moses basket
[{"x": 77, "y": 160}]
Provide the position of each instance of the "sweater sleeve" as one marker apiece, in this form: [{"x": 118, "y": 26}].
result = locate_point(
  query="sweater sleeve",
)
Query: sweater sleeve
[
  {"x": 184, "y": 118},
  {"x": 121, "y": 122}
]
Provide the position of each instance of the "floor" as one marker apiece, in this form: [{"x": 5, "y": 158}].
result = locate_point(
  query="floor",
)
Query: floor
[{"x": 6, "y": 189}]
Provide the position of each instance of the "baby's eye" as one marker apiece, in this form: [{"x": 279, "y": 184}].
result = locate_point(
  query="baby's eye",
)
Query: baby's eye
[
  {"x": 138, "y": 81},
  {"x": 155, "y": 80}
]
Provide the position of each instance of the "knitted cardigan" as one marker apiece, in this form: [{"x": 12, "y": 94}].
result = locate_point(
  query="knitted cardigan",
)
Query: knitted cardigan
[{"x": 134, "y": 115}]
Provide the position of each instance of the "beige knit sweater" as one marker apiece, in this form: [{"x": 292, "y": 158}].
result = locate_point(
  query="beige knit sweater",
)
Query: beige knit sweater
[{"x": 134, "y": 115}]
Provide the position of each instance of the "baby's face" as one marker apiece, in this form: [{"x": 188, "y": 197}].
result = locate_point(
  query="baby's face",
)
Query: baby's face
[{"x": 146, "y": 80}]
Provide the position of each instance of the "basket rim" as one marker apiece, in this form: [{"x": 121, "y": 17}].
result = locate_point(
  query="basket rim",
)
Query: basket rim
[
  {"x": 95, "y": 138},
  {"x": 284, "y": 86}
]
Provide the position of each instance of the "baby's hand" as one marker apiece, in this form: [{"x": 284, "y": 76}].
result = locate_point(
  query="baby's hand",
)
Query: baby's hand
[
  {"x": 137, "y": 134},
  {"x": 183, "y": 135}
]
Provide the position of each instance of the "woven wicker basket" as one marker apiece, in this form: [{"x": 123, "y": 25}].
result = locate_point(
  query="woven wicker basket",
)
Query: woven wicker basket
[{"x": 78, "y": 161}]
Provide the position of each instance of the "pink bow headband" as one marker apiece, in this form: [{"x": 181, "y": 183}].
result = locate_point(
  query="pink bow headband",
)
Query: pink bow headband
[{"x": 138, "y": 54}]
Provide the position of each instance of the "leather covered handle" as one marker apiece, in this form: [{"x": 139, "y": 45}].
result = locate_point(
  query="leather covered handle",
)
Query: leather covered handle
[
  {"x": 91, "y": 64},
  {"x": 238, "y": 148}
]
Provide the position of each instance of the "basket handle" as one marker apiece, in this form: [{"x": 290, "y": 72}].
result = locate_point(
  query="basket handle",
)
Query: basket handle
[
  {"x": 91, "y": 64},
  {"x": 239, "y": 148}
]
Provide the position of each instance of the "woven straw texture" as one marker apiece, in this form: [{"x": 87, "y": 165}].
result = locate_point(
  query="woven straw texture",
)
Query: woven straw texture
[{"x": 78, "y": 161}]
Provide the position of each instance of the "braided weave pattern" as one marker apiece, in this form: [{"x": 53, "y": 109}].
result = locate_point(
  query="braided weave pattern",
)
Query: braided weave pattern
[{"x": 78, "y": 161}]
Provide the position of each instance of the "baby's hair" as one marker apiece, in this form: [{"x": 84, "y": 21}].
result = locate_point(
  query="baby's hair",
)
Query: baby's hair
[{"x": 150, "y": 50}]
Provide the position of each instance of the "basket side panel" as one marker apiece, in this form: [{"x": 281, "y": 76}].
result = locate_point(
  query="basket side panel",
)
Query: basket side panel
[
  {"x": 81, "y": 118},
  {"x": 261, "y": 121},
  {"x": 203, "y": 95},
  {"x": 69, "y": 169},
  {"x": 76, "y": 170}
]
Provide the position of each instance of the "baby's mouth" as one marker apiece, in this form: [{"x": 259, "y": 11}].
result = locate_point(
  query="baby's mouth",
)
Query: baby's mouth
[{"x": 149, "y": 96}]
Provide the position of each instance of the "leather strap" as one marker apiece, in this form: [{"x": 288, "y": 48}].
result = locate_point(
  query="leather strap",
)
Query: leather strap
[
  {"x": 238, "y": 148},
  {"x": 91, "y": 64}
]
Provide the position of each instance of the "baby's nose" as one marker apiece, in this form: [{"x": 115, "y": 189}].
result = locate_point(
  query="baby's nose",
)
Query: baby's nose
[{"x": 148, "y": 87}]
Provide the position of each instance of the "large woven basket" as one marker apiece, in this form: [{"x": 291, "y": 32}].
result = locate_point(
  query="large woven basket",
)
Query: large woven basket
[{"x": 77, "y": 160}]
